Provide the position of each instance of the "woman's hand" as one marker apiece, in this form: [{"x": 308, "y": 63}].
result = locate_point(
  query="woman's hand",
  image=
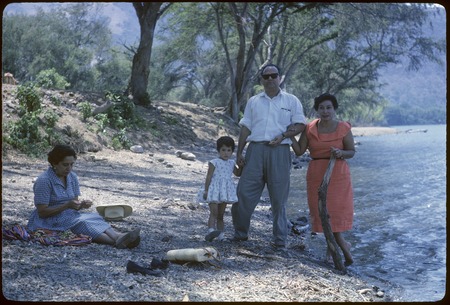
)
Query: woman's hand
[
  {"x": 86, "y": 204},
  {"x": 74, "y": 204},
  {"x": 338, "y": 153}
]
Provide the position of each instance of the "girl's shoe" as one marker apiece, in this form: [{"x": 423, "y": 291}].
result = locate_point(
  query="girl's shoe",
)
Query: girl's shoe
[
  {"x": 211, "y": 235},
  {"x": 220, "y": 237}
]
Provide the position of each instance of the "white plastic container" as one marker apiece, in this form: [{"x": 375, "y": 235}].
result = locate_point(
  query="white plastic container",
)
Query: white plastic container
[{"x": 192, "y": 255}]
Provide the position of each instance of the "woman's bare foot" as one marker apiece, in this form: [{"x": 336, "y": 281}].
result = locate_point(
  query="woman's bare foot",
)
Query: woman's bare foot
[
  {"x": 347, "y": 254},
  {"x": 128, "y": 238},
  {"x": 328, "y": 257}
]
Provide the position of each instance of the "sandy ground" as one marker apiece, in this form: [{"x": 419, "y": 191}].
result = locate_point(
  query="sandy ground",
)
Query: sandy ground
[{"x": 162, "y": 189}]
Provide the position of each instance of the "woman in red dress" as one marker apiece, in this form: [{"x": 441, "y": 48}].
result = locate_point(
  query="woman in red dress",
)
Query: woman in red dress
[{"x": 323, "y": 137}]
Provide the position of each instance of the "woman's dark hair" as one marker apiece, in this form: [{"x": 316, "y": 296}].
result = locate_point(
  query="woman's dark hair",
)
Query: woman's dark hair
[
  {"x": 59, "y": 152},
  {"x": 227, "y": 141},
  {"x": 325, "y": 97},
  {"x": 271, "y": 65}
]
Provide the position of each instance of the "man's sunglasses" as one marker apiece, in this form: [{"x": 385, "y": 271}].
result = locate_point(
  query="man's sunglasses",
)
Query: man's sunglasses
[{"x": 273, "y": 76}]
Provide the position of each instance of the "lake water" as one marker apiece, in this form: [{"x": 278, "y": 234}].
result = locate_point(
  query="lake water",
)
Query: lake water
[{"x": 399, "y": 234}]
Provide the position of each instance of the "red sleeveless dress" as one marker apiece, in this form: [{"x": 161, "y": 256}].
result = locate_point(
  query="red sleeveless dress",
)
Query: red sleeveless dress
[{"x": 340, "y": 192}]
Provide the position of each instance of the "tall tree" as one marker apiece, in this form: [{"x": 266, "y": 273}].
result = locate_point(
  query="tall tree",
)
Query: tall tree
[
  {"x": 189, "y": 56},
  {"x": 365, "y": 38},
  {"x": 250, "y": 21},
  {"x": 148, "y": 14}
]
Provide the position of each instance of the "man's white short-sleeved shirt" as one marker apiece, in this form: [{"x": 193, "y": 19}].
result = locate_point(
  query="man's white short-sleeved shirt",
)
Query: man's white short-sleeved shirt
[{"x": 268, "y": 117}]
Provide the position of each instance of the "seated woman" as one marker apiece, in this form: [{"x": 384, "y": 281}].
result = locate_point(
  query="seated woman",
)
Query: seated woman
[{"x": 56, "y": 194}]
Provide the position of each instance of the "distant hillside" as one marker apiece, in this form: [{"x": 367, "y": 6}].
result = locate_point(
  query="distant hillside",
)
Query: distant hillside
[{"x": 418, "y": 97}]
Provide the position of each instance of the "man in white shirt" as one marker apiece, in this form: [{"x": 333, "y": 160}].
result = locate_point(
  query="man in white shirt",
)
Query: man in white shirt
[{"x": 267, "y": 161}]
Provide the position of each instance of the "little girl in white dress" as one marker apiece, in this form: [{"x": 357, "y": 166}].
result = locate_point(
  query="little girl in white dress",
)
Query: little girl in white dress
[{"x": 220, "y": 188}]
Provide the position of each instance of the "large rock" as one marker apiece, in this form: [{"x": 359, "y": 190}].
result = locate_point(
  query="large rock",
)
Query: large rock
[
  {"x": 137, "y": 149},
  {"x": 185, "y": 155}
]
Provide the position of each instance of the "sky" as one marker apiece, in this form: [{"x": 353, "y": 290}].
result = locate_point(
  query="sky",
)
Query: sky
[{"x": 118, "y": 12}]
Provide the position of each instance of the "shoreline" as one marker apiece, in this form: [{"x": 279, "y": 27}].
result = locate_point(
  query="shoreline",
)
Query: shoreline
[{"x": 373, "y": 131}]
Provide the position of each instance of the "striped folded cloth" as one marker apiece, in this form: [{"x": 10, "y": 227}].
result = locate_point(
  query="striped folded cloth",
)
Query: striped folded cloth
[{"x": 45, "y": 237}]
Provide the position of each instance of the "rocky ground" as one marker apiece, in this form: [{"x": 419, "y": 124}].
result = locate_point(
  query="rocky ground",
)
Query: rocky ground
[{"x": 162, "y": 189}]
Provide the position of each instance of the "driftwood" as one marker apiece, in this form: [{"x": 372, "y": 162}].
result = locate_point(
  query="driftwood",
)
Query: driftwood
[
  {"x": 102, "y": 108},
  {"x": 323, "y": 212}
]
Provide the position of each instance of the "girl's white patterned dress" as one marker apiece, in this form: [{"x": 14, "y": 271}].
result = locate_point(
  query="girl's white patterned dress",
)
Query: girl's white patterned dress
[{"x": 222, "y": 187}]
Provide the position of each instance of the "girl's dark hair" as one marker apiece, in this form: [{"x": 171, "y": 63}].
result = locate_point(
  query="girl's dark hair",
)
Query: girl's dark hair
[
  {"x": 59, "y": 152},
  {"x": 325, "y": 97},
  {"x": 227, "y": 141}
]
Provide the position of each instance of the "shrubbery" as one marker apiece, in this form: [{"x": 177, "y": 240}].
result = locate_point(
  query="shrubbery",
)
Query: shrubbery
[
  {"x": 25, "y": 134},
  {"x": 35, "y": 131},
  {"x": 50, "y": 79}
]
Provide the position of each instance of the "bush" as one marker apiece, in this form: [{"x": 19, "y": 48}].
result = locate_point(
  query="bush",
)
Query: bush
[
  {"x": 50, "y": 79},
  {"x": 50, "y": 118},
  {"x": 29, "y": 98},
  {"x": 120, "y": 140},
  {"x": 24, "y": 134},
  {"x": 123, "y": 113},
  {"x": 102, "y": 121},
  {"x": 85, "y": 109},
  {"x": 56, "y": 101}
]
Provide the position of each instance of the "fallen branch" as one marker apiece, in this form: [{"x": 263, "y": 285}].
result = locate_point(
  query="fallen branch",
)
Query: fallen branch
[
  {"x": 323, "y": 212},
  {"x": 102, "y": 108},
  {"x": 252, "y": 254}
]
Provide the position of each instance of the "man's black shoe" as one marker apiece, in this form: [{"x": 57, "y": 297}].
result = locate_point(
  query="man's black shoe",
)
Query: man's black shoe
[
  {"x": 280, "y": 250},
  {"x": 238, "y": 239}
]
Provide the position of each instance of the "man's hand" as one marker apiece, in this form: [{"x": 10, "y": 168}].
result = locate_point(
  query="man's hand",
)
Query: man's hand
[
  {"x": 240, "y": 160},
  {"x": 296, "y": 128}
]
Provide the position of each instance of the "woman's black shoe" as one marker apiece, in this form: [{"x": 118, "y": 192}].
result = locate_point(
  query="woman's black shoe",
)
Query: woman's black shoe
[
  {"x": 132, "y": 267},
  {"x": 159, "y": 264}
]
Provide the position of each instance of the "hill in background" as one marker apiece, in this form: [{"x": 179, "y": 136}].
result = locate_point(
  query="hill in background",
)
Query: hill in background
[{"x": 181, "y": 125}]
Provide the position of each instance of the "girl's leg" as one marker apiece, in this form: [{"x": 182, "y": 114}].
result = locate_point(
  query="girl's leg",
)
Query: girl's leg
[
  {"x": 213, "y": 222},
  {"x": 345, "y": 246},
  {"x": 213, "y": 211},
  {"x": 220, "y": 213}
]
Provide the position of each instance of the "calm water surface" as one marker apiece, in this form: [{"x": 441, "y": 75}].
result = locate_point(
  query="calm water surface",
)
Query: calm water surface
[{"x": 399, "y": 233}]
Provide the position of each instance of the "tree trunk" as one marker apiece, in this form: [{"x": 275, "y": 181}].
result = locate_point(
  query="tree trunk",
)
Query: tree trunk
[
  {"x": 148, "y": 14},
  {"x": 241, "y": 79},
  {"x": 139, "y": 76},
  {"x": 323, "y": 212}
]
